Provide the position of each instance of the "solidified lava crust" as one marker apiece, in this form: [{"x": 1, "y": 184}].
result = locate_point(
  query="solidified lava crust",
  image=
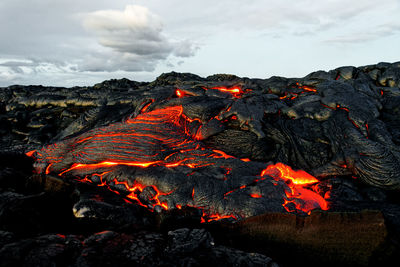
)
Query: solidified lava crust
[
  {"x": 84, "y": 169},
  {"x": 165, "y": 139},
  {"x": 172, "y": 130}
]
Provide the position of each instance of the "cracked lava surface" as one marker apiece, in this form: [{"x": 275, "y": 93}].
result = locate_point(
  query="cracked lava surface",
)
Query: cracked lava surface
[{"x": 157, "y": 160}]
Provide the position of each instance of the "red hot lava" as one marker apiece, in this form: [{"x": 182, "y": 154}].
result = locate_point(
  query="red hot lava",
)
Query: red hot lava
[
  {"x": 297, "y": 179},
  {"x": 162, "y": 137},
  {"x": 235, "y": 91}
]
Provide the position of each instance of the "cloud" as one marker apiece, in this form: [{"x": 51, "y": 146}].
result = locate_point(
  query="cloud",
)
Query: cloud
[
  {"x": 17, "y": 69},
  {"x": 48, "y": 41},
  {"x": 69, "y": 42},
  {"x": 110, "y": 61},
  {"x": 302, "y": 17},
  {"x": 28, "y": 72},
  {"x": 136, "y": 40},
  {"x": 6, "y": 75},
  {"x": 374, "y": 33},
  {"x": 34, "y": 65}
]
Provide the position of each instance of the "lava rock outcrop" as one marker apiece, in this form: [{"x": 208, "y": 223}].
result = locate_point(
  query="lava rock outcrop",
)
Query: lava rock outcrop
[
  {"x": 216, "y": 148},
  {"x": 340, "y": 122}
]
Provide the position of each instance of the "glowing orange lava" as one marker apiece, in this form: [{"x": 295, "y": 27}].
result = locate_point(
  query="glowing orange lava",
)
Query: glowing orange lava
[
  {"x": 292, "y": 95},
  {"x": 338, "y": 107},
  {"x": 215, "y": 217},
  {"x": 297, "y": 178},
  {"x": 179, "y": 93},
  {"x": 234, "y": 91},
  {"x": 146, "y": 106},
  {"x": 287, "y": 173},
  {"x": 30, "y": 153},
  {"x": 171, "y": 137}
]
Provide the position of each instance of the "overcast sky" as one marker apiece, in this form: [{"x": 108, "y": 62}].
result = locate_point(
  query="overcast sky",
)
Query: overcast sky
[{"x": 83, "y": 42}]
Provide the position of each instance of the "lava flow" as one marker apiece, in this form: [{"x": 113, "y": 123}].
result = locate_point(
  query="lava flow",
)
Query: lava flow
[
  {"x": 156, "y": 159},
  {"x": 310, "y": 199},
  {"x": 236, "y": 91}
]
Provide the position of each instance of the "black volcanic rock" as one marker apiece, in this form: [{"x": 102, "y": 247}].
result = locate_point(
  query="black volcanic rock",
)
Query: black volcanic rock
[
  {"x": 342, "y": 126},
  {"x": 181, "y": 247},
  {"x": 353, "y": 118}
]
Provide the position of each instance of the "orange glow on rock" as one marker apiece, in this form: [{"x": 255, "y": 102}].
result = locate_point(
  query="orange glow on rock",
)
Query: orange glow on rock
[
  {"x": 137, "y": 188},
  {"x": 146, "y": 106},
  {"x": 236, "y": 92},
  {"x": 302, "y": 198},
  {"x": 292, "y": 95},
  {"x": 216, "y": 217},
  {"x": 345, "y": 109},
  {"x": 171, "y": 137},
  {"x": 287, "y": 173},
  {"x": 308, "y": 89},
  {"x": 47, "y": 171},
  {"x": 179, "y": 93},
  {"x": 310, "y": 200},
  {"x": 107, "y": 164},
  {"x": 30, "y": 153},
  {"x": 222, "y": 154}
]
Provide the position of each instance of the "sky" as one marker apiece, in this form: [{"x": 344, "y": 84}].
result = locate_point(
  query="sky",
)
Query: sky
[{"x": 83, "y": 42}]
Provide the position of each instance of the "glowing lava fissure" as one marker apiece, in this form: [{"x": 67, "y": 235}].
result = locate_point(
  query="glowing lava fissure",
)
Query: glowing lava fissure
[
  {"x": 235, "y": 91},
  {"x": 292, "y": 95},
  {"x": 163, "y": 138}
]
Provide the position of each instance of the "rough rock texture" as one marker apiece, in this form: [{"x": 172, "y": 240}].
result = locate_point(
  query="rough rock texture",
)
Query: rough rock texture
[
  {"x": 319, "y": 123},
  {"x": 347, "y": 238},
  {"x": 342, "y": 126},
  {"x": 154, "y": 154},
  {"x": 181, "y": 247}
]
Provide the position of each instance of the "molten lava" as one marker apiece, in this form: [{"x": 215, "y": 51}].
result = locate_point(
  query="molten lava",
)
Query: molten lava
[
  {"x": 292, "y": 95},
  {"x": 179, "y": 93},
  {"x": 236, "y": 92},
  {"x": 298, "y": 177},
  {"x": 309, "y": 200},
  {"x": 166, "y": 138}
]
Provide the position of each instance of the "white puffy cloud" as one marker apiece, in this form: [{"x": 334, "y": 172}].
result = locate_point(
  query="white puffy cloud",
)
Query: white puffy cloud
[{"x": 136, "y": 40}]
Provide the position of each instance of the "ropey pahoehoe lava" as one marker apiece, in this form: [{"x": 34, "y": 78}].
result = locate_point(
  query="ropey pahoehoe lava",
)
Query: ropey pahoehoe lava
[
  {"x": 224, "y": 144},
  {"x": 121, "y": 171},
  {"x": 157, "y": 159}
]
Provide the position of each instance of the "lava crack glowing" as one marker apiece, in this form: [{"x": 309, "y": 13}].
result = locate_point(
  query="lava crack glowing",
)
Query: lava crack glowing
[{"x": 156, "y": 160}]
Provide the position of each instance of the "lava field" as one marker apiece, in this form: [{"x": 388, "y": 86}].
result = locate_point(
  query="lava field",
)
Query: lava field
[{"x": 189, "y": 171}]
